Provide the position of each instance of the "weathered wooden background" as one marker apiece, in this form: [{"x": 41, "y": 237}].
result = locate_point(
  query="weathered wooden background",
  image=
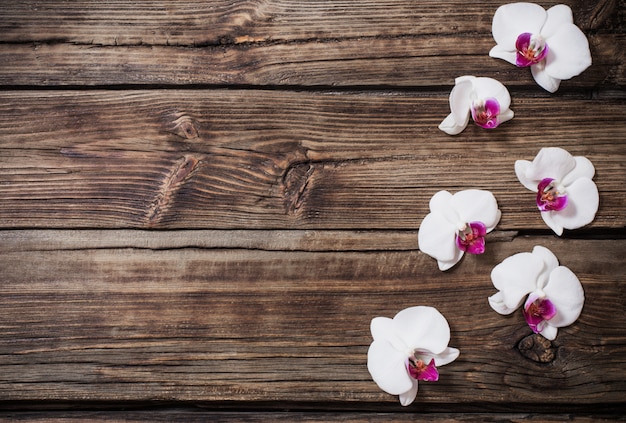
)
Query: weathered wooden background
[{"x": 204, "y": 203}]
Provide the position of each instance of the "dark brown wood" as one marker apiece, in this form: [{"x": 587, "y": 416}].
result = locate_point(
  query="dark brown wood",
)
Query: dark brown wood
[
  {"x": 186, "y": 22},
  {"x": 143, "y": 324},
  {"x": 199, "y": 415},
  {"x": 400, "y": 61},
  {"x": 203, "y": 205},
  {"x": 289, "y": 160}
]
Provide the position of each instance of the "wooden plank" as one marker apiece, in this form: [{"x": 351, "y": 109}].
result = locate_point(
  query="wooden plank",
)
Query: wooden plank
[
  {"x": 271, "y": 240},
  {"x": 227, "y": 159},
  {"x": 193, "y": 416},
  {"x": 246, "y": 326},
  {"x": 396, "y": 43},
  {"x": 420, "y": 61},
  {"x": 223, "y": 22}
]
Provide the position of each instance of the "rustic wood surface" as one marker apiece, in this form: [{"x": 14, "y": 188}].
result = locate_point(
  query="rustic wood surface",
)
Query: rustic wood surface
[{"x": 204, "y": 204}]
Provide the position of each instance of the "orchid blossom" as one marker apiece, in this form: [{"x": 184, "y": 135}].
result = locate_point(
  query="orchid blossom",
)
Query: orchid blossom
[
  {"x": 408, "y": 349},
  {"x": 485, "y": 99},
  {"x": 566, "y": 195},
  {"x": 555, "y": 295},
  {"x": 547, "y": 41},
  {"x": 457, "y": 224}
]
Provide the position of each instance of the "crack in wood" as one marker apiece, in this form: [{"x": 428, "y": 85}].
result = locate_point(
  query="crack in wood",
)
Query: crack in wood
[
  {"x": 295, "y": 185},
  {"x": 172, "y": 183}
]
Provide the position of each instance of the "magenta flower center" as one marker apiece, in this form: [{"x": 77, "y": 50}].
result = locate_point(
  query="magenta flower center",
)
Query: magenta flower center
[
  {"x": 549, "y": 198},
  {"x": 537, "y": 312},
  {"x": 485, "y": 113},
  {"x": 419, "y": 370},
  {"x": 472, "y": 238},
  {"x": 530, "y": 48}
]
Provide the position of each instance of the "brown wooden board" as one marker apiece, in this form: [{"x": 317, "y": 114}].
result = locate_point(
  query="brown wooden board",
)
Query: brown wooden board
[
  {"x": 206, "y": 324},
  {"x": 203, "y": 204},
  {"x": 280, "y": 159}
]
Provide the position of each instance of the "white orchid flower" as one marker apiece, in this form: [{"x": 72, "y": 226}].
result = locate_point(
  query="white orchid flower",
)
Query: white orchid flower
[
  {"x": 408, "y": 349},
  {"x": 485, "y": 99},
  {"x": 547, "y": 41},
  {"x": 555, "y": 295},
  {"x": 566, "y": 195},
  {"x": 457, "y": 224}
]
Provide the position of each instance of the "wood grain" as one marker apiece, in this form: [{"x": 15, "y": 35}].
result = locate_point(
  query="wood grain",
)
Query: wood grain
[
  {"x": 192, "y": 415},
  {"x": 140, "y": 324},
  {"x": 420, "y": 61},
  {"x": 225, "y": 159},
  {"x": 204, "y": 204},
  {"x": 285, "y": 43},
  {"x": 224, "y": 22}
]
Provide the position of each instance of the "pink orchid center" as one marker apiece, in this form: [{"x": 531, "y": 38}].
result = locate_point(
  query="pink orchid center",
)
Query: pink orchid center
[
  {"x": 419, "y": 370},
  {"x": 471, "y": 239},
  {"x": 549, "y": 198},
  {"x": 537, "y": 311},
  {"x": 531, "y": 49},
  {"x": 485, "y": 112}
]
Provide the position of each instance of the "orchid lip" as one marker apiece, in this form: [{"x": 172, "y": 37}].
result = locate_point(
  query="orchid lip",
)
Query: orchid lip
[
  {"x": 537, "y": 311},
  {"x": 549, "y": 196},
  {"x": 471, "y": 238},
  {"x": 531, "y": 49},
  {"x": 419, "y": 370},
  {"x": 485, "y": 113}
]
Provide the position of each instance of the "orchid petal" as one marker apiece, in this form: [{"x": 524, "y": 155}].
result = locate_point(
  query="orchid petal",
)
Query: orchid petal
[
  {"x": 477, "y": 205},
  {"x": 407, "y": 398},
  {"x": 543, "y": 79},
  {"x": 506, "y": 115},
  {"x": 448, "y": 264},
  {"x": 551, "y": 162},
  {"x": 383, "y": 329},
  {"x": 460, "y": 99},
  {"x": 549, "y": 332},
  {"x": 548, "y": 218},
  {"x": 569, "y": 53},
  {"x": 423, "y": 328},
  {"x": 496, "y": 301},
  {"x": 583, "y": 202},
  {"x": 436, "y": 237},
  {"x": 491, "y": 88},
  {"x": 556, "y": 16},
  {"x": 512, "y": 19},
  {"x": 583, "y": 169},
  {"x": 386, "y": 365},
  {"x": 440, "y": 201},
  {"x": 450, "y": 127},
  {"x": 515, "y": 277},
  {"x": 500, "y": 52},
  {"x": 446, "y": 356},
  {"x": 521, "y": 170},
  {"x": 550, "y": 263},
  {"x": 566, "y": 293}
]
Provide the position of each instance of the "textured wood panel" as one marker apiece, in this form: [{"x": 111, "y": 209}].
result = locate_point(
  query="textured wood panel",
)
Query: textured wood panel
[
  {"x": 421, "y": 61},
  {"x": 208, "y": 324},
  {"x": 221, "y": 21},
  {"x": 203, "y": 204},
  {"x": 291, "y": 160}
]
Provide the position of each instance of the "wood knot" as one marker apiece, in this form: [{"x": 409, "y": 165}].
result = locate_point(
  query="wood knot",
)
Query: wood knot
[
  {"x": 183, "y": 126},
  {"x": 537, "y": 348}
]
